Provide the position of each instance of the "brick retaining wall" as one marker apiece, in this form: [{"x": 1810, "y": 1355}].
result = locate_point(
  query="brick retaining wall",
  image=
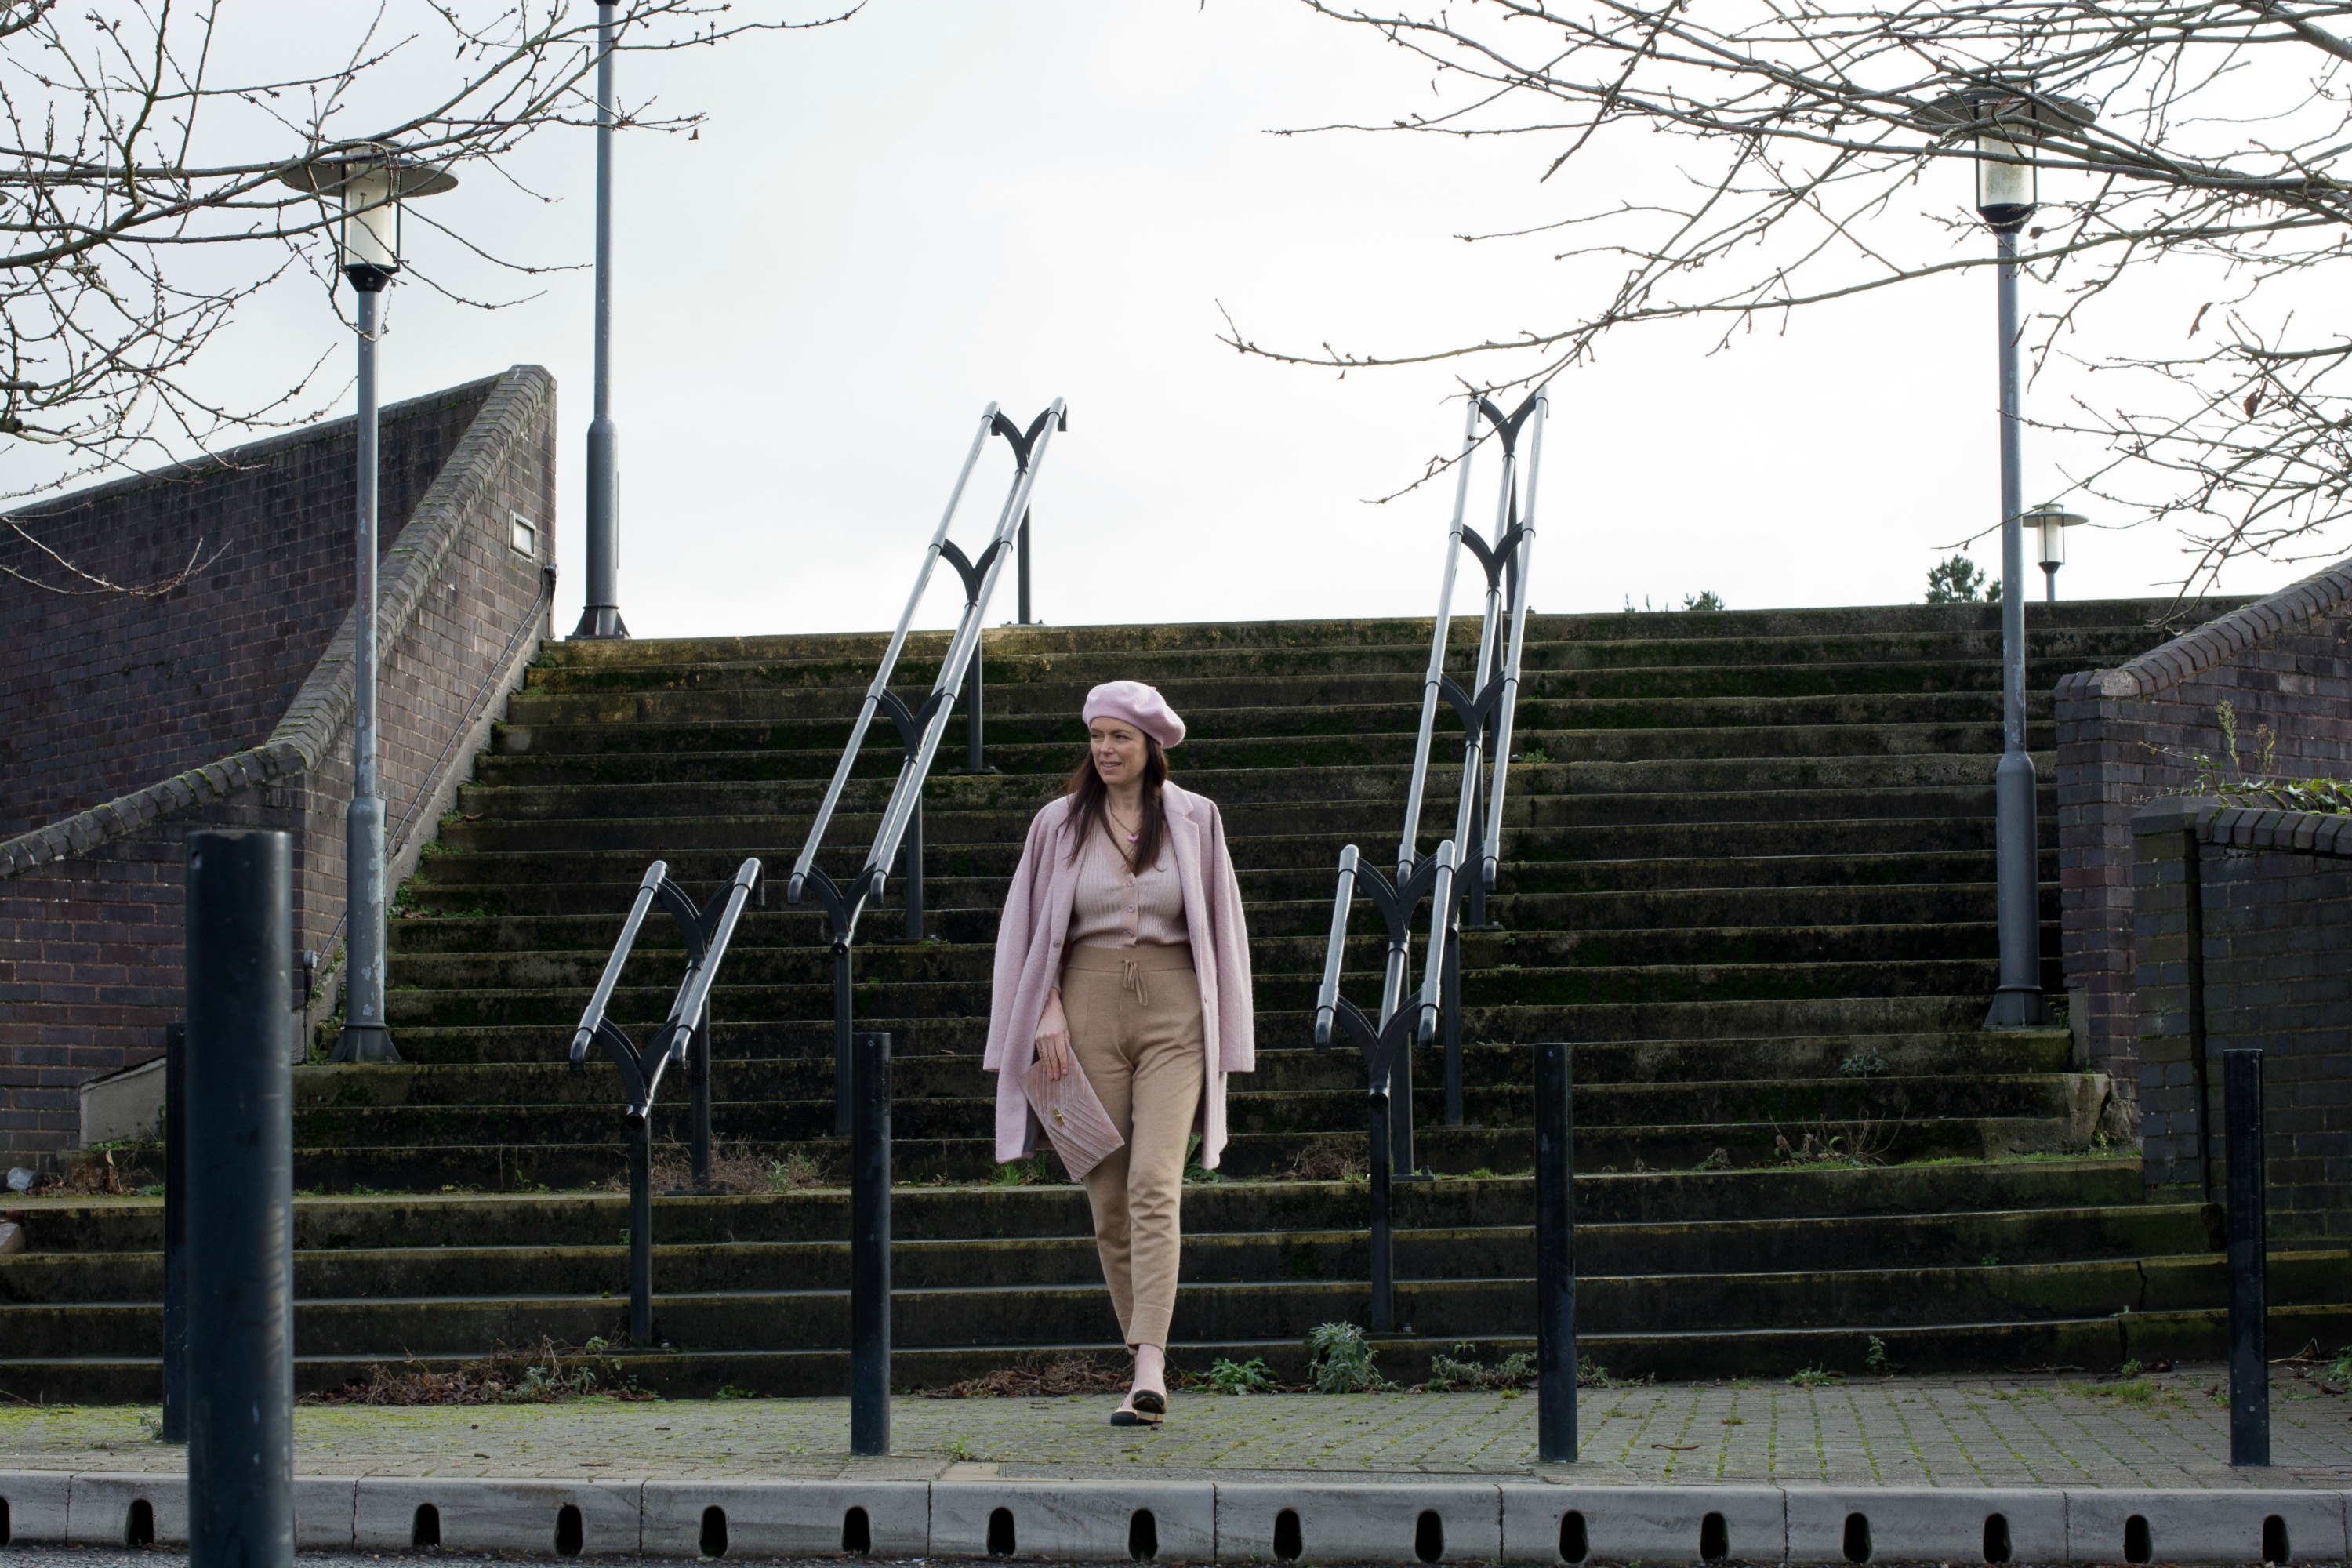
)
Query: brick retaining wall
[
  {"x": 91, "y": 902},
  {"x": 2244, "y": 925},
  {"x": 2285, "y": 661}
]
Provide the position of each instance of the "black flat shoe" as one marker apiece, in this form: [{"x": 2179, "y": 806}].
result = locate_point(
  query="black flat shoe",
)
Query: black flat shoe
[
  {"x": 1150, "y": 1402},
  {"x": 1133, "y": 1418}
]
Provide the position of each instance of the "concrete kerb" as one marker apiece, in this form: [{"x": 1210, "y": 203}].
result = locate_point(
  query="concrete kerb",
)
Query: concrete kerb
[
  {"x": 547, "y": 1518},
  {"x": 1401, "y": 1518},
  {"x": 2179, "y": 1526},
  {"x": 1545, "y": 1522},
  {"x": 1909, "y": 1524},
  {"x": 789, "y": 1519},
  {"x": 35, "y": 1505},
  {"x": 1078, "y": 1520},
  {"x": 126, "y": 1510}
]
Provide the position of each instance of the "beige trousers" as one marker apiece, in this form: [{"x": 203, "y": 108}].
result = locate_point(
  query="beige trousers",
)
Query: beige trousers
[{"x": 1135, "y": 1028}]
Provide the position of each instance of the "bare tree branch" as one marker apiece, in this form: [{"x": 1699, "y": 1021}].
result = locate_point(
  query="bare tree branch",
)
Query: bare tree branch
[
  {"x": 129, "y": 149},
  {"x": 2214, "y": 138}
]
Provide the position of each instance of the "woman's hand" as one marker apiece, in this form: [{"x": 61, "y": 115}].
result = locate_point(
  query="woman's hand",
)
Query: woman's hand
[{"x": 1054, "y": 1037}]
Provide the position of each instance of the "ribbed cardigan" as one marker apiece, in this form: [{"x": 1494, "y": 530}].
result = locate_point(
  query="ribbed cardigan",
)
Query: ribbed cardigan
[{"x": 1030, "y": 945}]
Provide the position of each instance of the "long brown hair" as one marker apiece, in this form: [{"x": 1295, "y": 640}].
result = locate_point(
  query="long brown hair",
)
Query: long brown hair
[{"x": 1090, "y": 808}]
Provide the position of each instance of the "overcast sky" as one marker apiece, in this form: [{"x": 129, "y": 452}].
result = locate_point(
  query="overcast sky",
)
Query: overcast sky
[{"x": 886, "y": 224}]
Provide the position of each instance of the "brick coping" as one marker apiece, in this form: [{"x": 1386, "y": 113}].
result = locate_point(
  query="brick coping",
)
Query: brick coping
[
  {"x": 2215, "y": 821},
  {"x": 2214, "y": 643},
  {"x": 321, "y": 707}
]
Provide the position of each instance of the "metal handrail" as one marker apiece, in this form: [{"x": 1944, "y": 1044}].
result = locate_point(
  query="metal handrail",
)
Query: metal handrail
[
  {"x": 1490, "y": 703},
  {"x": 1386, "y": 1045},
  {"x": 709, "y": 930},
  {"x": 920, "y": 729}
]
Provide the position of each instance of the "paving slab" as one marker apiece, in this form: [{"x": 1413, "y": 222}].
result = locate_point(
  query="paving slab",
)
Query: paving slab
[{"x": 2161, "y": 1430}]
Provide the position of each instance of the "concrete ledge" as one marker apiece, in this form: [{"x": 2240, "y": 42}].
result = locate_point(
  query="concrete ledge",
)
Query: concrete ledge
[
  {"x": 1382, "y": 1518},
  {"x": 1339, "y": 1522}
]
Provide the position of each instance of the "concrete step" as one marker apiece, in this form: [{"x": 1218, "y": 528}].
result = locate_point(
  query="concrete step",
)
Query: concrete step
[
  {"x": 434, "y": 1220},
  {"x": 2007, "y": 1239},
  {"x": 772, "y": 1317},
  {"x": 1488, "y": 955},
  {"x": 1273, "y": 731}
]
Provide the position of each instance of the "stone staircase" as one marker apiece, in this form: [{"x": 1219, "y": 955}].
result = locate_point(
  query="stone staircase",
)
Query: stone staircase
[{"x": 1748, "y": 872}]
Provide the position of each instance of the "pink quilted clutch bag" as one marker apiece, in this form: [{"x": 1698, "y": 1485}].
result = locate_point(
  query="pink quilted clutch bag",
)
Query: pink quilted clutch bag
[{"x": 1073, "y": 1118}]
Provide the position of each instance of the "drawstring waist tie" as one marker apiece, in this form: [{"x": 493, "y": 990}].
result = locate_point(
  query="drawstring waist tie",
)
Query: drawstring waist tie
[{"x": 1132, "y": 964}]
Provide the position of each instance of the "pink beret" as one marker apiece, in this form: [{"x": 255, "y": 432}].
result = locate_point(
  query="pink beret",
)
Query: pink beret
[{"x": 1140, "y": 705}]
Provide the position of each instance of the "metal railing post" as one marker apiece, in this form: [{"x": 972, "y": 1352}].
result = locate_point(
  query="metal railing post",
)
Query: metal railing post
[
  {"x": 1400, "y": 1114},
  {"x": 2249, "y": 1367},
  {"x": 1024, "y": 568},
  {"x": 1383, "y": 1250},
  {"x": 1555, "y": 1256},
  {"x": 175, "y": 1232},
  {"x": 869, "y": 1250},
  {"x": 240, "y": 1164},
  {"x": 1454, "y": 1025},
  {"x": 841, "y": 1041},
  {"x": 684, "y": 1038},
  {"x": 641, "y": 1231},
  {"x": 700, "y": 1062},
  {"x": 974, "y": 761},
  {"x": 912, "y": 867}
]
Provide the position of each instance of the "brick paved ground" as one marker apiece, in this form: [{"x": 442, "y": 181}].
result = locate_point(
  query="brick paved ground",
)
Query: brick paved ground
[{"x": 2170, "y": 1429}]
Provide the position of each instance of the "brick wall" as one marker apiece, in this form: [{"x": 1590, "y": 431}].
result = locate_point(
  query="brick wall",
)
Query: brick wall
[
  {"x": 2283, "y": 661},
  {"x": 90, "y": 900},
  {"x": 2244, "y": 923},
  {"x": 103, "y": 692}
]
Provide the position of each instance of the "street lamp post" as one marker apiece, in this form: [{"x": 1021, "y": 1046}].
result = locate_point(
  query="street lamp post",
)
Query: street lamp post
[
  {"x": 2051, "y": 523},
  {"x": 370, "y": 187},
  {"x": 2007, "y": 124},
  {"x": 600, "y": 615}
]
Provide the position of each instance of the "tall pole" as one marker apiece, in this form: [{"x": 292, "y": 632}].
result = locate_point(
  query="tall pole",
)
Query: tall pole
[
  {"x": 1555, "y": 1256},
  {"x": 2249, "y": 1242},
  {"x": 240, "y": 1213},
  {"x": 599, "y": 616},
  {"x": 365, "y": 1037},
  {"x": 869, "y": 1249},
  {"x": 2017, "y": 851}
]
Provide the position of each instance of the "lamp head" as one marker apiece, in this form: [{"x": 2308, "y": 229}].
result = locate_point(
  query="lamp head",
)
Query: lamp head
[
  {"x": 2051, "y": 523},
  {"x": 368, "y": 186},
  {"x": 2006, "y": 125}
]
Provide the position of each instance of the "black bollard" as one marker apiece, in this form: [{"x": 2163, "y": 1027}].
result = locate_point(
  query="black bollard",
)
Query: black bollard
[
  {"x": 869, "y": 1247},
  {"x": 2249, "y": 1367},
  {"x": 175, "y": 1232},
  {"x": 1555, "y": 1256},
  {"x": 240, "y": 1214},
  {"x": 1378, "y": 1110}
]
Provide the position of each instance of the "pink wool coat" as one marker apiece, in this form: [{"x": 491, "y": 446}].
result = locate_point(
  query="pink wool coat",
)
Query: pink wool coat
[{"x": 1030, "y": 952}]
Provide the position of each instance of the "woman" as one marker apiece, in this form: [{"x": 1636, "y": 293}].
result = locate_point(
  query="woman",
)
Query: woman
[{"x": 1122, "y": 956}]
